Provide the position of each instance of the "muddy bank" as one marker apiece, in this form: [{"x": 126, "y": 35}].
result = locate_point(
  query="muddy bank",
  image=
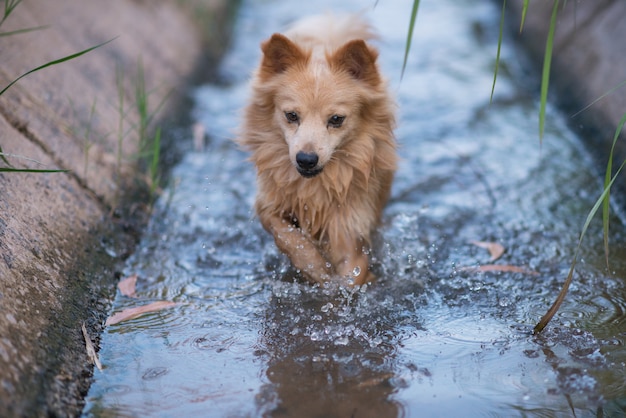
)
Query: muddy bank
[
  {"x": 587, "y": 63},
  {"x": 63, "y": 234}
]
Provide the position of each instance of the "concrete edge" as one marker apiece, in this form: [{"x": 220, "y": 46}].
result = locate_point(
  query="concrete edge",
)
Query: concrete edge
[
  {"x": 587, "y": 62},
  {"x": 64, "y": 236}
]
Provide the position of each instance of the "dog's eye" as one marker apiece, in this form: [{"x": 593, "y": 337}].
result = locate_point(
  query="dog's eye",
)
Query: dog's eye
[
  {"x": 292, "y": 117},
  {"x": 335, "y": 121}
]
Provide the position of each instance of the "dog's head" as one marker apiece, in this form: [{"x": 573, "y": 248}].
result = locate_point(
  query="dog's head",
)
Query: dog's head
[{"x": 318, "y": 99}]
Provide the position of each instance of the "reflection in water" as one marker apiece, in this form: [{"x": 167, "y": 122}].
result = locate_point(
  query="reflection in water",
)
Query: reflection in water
[
  {"x": 333, "y": 358},
  {"x": 430, "y": 337}
]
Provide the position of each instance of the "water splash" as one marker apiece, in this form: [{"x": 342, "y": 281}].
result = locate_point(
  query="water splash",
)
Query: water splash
[{"x": 427, "y": 336}]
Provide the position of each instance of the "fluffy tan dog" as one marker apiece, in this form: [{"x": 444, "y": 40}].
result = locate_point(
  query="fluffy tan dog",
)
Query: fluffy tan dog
[{"x": 320, "y": 129}]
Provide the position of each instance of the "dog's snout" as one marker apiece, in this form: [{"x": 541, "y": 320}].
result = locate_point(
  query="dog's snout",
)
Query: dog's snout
[{"x": 306, "y": 161}]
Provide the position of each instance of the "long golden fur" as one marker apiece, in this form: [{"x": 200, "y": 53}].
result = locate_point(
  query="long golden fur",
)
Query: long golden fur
[{"x": 319, "y": 126}]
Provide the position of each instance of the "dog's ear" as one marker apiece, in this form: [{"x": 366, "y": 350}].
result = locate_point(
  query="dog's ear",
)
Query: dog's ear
[
  {"x": 279, "y": 53},
  {"x": 358, "y": 60}
]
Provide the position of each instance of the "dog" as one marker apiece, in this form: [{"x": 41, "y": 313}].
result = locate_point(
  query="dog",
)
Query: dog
[{"x": 319, "y": 127}]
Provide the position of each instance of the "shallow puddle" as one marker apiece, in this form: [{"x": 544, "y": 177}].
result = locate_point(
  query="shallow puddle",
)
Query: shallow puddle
[{"x": 434, "y": 336}]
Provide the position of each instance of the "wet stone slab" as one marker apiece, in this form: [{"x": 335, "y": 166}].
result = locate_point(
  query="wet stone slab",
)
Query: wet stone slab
[{"x": 435, "y": 334}]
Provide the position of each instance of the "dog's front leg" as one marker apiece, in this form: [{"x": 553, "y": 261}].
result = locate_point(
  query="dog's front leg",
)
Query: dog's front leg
[
  {"x": 354, "y": 266},
  {"x": 353, "y": 262},
  {"x": 303, "y": 253}
]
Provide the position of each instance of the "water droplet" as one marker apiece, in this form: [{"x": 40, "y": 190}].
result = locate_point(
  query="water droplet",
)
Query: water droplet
[
  {"x": 356, "y": 271},
  {"x": 375, "y": 342},
  {"x": 342, "y": 340},
  {"x": 326, "y": 307}
]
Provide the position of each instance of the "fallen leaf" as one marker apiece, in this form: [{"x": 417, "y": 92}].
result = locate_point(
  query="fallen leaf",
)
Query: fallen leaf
[
  {"x": 91, "y": 351},
  {"x": 198, "y": 136},
  {"x": 497, "y": 267},
  {"x": 127, "y": 286},
  {"x": 374, "y": 381},
  {"x": 132, "y": 313},
  {"x": 496, "y": 250}
]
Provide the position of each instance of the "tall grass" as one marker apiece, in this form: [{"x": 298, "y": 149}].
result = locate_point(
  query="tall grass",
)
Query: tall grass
[
  {"x": 145, "y": 114},
  {"x": 149, "y": 147},
  {"x": 604, "y": 201},
  {"x": 545, "y": 73},
  {"x": 87, "y": 138},
  {"x": 610, "y": 177},
  {"x": 154, "y": 171},
  {"x": 11, "y": 169},
  {"x": 9, "y": 8},
  {"x": 119, "y": 81},
  {"x": 409, "y": 37},
  {"x": 500, "y": 35},
  {"x": 54, "y": 62}
]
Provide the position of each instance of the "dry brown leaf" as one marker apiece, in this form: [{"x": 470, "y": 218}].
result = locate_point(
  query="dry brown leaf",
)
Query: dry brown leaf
[
  {"x": 198, "y": 136},
  {"x": 375, "y": 380},
  {"x": 496, "y": 250},
  {"x": 132, "y": 313},
  {"x": 127, "y": 286},
  {"x": 91, "y": 351},
  {"x": 497, "y": 267}
]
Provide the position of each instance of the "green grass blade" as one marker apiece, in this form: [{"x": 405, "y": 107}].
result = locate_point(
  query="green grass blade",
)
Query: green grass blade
[
  {"x": 141, "y": 104},
  {"x": 17, "y": 32},
  {"x": 154, "y": 166},
  {"x": 159, "y": 106},
  {"x": 559, "y": 300},
  {"x": 9, "y": 6},
  {"x": 607, "y": 199},
  {"x": 11, "y": 169},
  {"x": 524, "y": 10},
  {"x": 30, "y": 170},
  {"x": 617, "y": 87},
  {"x": 156, "y": 150},
  {"x": 409, "y": 37},
  {"x": 601, "y": 201},
  {"x": 55, "y": 62},
  {"x": 545, "y": 77},
  {"x": 4, "y": 159},
  {"x": 495, "y": 71}
]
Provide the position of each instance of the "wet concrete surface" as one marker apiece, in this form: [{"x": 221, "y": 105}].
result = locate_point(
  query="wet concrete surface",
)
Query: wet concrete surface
[
  {"x": 587, "y": 76},
  {"x": 63, "y": 235}
]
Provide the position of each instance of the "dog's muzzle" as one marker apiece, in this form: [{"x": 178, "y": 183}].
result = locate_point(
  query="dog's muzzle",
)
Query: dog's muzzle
[{"x": 307, "y": 164}]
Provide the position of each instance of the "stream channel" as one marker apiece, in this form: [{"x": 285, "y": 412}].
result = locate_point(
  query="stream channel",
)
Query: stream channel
[{"x": 434, "y": 336}]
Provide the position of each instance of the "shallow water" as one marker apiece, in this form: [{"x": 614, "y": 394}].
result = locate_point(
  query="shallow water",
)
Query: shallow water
[{"x": 432, "y": 337}]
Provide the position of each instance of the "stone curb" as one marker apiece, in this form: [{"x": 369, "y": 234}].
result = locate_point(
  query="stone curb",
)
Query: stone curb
[
  {"x": 63, "y": 234},
  {"x": 588, "y": 61}
]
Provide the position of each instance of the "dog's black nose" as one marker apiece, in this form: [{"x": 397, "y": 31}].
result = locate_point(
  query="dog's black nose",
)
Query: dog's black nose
[{"x": 306, "y": 161}]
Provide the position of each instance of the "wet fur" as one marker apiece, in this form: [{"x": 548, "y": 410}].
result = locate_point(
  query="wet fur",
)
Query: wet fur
[{"x": 323, "y": 221}]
